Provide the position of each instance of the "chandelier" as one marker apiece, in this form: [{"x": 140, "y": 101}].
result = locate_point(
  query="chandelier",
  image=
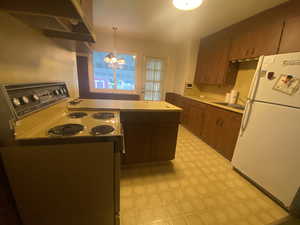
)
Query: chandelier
[{"x": 111, "y": 59}]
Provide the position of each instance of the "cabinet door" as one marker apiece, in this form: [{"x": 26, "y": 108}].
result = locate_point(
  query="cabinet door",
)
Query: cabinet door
[
  {"x": 164, "y": 142},
  {"x": 267, "y": 39},
  {"x": 185, "y": 115},
  {"x": 137, "y": 143},
  {"x": 228, "y": 130},
  {"x": 196, "y": 118},
  {"x": 222, "y": 61},
  {"x": 221, "y": 129},
  {"x": 8, "y": 212},
  {"x": 212, "y": 61},
  {"x": 257, "y": 37},
  {"x": 291, "y": 35},
  {"x": 240, "y": 45},
  {"x": 210, "y": 129},
  {"x": 203, "y": 64}
]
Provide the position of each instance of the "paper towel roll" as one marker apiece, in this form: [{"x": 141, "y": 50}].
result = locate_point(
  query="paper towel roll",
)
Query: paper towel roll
[
  {"x": 227, "y": 97},
  {"x": 233, "y": 96}
]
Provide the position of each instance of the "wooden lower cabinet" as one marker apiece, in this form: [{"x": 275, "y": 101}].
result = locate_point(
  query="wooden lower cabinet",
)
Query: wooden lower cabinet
[
  {"x": 221, "y": 129},
  {"x": 218, "y": 127},
  {"x": 8, "y": 211},
  {"x": 195, "y": 117},
  {"x": 137, "y": 144},
  {"x": 149, "y": 136},
  {"x": 163, "y": 145}
]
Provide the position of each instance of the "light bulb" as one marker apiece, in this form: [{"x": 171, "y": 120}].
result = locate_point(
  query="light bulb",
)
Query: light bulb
[
  {"x": 121, "y": 61},
  {"x": 187, "y": 4}
]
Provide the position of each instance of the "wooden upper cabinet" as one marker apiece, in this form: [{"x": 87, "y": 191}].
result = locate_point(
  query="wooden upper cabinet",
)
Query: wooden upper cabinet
[
  {"x": 239, "y": 45},
  {"x": 213, "y": 60},
  {"x": 202, "y": 70},
  {"x": 291, "y": 35},
  {"x": 255, "y": 38}
]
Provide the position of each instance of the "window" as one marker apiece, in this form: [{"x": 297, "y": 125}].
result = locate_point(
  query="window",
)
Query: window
[
  {"x": 154, "y": 79},
  {"x": 114, "y": 80}
]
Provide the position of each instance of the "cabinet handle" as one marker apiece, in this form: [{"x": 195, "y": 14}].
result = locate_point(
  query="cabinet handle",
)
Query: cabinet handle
[
  {"x": 247, "y": 52},
  {"x": 253, "y": 51},
  {"x": 221, "y": 123}
]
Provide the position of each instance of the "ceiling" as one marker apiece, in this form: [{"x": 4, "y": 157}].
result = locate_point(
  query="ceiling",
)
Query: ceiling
[{"x": 159, "y": 20}]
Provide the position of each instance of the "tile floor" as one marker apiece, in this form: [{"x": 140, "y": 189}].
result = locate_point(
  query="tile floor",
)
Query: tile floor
[{"x": 198, "y": 188}]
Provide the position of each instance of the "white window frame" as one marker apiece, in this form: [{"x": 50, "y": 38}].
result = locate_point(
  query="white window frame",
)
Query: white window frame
[
  {"x": 165, "y": 68},
  {"x": 92, "y": 87}
]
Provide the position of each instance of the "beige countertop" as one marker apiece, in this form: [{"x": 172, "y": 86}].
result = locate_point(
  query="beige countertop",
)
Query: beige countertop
[
  {"x": 123, "y": 105},
  {"x": 211, "y": 101}
]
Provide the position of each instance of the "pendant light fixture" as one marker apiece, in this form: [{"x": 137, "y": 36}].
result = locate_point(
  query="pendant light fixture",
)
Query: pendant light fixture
[
  {"x": 187, "y": 4},
  {"x": 111, "y": 59}
]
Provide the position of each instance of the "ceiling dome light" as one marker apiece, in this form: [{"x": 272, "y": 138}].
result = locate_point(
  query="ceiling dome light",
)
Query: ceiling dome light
[{"x": 187, "y": 4}]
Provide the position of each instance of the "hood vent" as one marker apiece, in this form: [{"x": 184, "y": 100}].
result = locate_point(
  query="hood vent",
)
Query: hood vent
[
  {"x": 55, "y": 18},
  {"x": 244, "y": 60}
]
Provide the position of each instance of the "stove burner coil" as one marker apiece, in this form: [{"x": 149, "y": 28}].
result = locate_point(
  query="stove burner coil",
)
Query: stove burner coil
[
  {"x": 103, "y": 116},
  {"x": 77, "y": 115},
  {"x": 66, "y": 130},
  {"x": 102, "y": 129}
]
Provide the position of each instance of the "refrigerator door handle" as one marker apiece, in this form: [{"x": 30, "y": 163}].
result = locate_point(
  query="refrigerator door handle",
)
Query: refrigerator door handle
[
  {"x": 246, "y": 116},
  {"x": 255, "y": 80}
]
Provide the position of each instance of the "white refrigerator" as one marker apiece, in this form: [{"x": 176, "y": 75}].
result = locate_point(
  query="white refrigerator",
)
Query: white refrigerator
[{"x": 268, "y": 147}]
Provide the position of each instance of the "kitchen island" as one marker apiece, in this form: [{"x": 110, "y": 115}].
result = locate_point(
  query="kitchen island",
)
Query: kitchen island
[{"x": 150, "y": 128}]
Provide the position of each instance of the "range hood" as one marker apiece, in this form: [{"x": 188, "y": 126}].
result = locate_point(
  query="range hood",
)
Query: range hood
[{"x": 55, "y": 18}]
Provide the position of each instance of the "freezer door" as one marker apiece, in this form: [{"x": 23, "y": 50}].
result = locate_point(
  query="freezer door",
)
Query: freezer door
[
  {"x": 279, "y": 80},
  {"x": 268, "y": 151}
]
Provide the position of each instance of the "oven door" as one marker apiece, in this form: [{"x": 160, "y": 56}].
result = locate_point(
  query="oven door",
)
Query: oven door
[{"x": 65, "y": 183}]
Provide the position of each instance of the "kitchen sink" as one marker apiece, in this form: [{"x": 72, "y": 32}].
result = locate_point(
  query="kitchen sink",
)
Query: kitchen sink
[{"x": 236, "y": 106}]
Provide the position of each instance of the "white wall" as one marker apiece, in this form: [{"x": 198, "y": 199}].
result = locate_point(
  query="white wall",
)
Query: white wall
[
  {"x": 28, "y": 56},
  {"x": 187, "y": 53},
  {"x": 142, "y": 48}
]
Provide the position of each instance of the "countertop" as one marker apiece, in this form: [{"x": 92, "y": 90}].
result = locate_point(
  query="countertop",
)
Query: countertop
[
  {"x": 123, "y": 105},
  {"x": 211, "y": 101},
  {"x": 36, "y": 126}
]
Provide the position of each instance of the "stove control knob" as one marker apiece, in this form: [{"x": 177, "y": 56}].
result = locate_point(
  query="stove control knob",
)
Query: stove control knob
[
  {"x": 61, "y": 91},
  {"x": 56, "y": 92},
  {"x": 16, "y": 102},
  {"x": 25, "y": 99},
  {"x": 35, "y": 97}
]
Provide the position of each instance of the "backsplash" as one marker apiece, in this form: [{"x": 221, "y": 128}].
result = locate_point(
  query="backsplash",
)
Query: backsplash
[{"x": 243, "y": 82}]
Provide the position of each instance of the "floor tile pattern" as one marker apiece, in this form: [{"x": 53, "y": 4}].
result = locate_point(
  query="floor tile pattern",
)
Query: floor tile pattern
[{"x": 198, "y": 188}]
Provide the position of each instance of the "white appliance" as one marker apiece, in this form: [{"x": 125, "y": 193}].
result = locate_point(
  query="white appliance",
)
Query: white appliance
[{"x": 268, "y": 147}]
